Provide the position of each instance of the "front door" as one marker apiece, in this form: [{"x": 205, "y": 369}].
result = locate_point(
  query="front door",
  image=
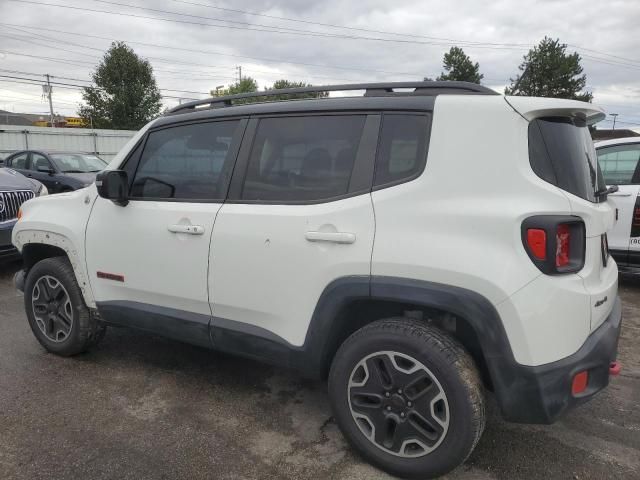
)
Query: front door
[
  {"x": 148, "y": 260},
  {"x": 299, "y": 216},
  {"x": 620, "y": 166}
]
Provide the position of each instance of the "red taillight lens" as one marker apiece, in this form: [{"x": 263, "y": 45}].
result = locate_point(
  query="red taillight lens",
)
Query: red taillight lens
[
  {"x": 537, "y": 242},
  {"x": 636, "y": 217},
  {"x": 563, "y": 239},
  {"x": 580, "y": 382}
]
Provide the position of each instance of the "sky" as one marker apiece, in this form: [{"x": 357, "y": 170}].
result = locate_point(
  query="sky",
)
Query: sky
[{"x": 195, "y": 46}]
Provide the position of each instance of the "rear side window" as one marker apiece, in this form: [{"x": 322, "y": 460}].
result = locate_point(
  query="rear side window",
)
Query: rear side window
[
  {"x": 19, "y": 161},
  {"x": 619, "y": 164},
  {"x": 403, "y": 148},
  {"x": 561, "y": 152},
  {"x": 302, "y": 159},
  {"x": 185, "y": 162}
]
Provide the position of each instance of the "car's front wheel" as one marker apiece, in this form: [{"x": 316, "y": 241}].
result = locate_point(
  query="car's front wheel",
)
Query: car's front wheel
[
  {"x": 408, "y": 397},
  {"x": 56, "y": 311}
]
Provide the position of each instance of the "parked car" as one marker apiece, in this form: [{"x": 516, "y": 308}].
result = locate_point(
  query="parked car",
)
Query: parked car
[
  {"x": 419, "y": 246},
  {"x": 58, "y": 171},
  {"x": 619, "y": 160},
  {"x": 15, "y": 189}
]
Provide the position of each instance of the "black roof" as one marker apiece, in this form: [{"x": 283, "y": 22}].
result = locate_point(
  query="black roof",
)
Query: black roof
[
  {"x": 386, "y": 90},
  {"x": 413, "y": 96}
]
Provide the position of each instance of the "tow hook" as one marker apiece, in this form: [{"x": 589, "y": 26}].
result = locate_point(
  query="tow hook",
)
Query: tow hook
[{"x": 614, "y": 369}]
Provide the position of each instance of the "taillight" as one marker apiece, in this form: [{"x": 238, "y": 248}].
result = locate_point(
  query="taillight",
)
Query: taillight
[
  {"x": 537, "y": 242},
  {"x": 563, "y": 241},
  {"x": 636, "y": 217},
  {"x": 555, "y": 243}
]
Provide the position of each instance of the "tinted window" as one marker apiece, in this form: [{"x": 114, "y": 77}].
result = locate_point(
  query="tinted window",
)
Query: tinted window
[
  {"x": 19, "y": 161},
  {"x": 185, "y": 162},
  {"x": 39, "y": 161},
  {"x": 619, "y": 164},
  {"x": 302, "y": 158},
  {"x": 561, "y": 152},
  {"x": 78, "y": 162},
  {"x": 403, "y": 148}
]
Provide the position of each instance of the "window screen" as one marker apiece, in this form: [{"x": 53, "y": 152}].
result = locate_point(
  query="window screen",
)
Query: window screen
[
  {"x": 302, "y": 158},
  {"x": 403, "y": 148},
  {"x": 185, "y": 162},
  {"x": 619, "y": 164}
]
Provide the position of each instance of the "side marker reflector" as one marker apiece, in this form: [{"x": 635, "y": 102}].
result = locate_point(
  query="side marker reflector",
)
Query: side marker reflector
[{"x": 580, "y": 382}]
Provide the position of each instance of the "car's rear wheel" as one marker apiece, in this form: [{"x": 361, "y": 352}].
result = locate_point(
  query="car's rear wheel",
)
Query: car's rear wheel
[
  {"x": 408, "y": 397},
  {"x": 56, "y": 311}
]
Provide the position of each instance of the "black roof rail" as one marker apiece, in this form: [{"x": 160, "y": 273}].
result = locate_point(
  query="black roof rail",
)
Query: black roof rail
[{"x": 371, "y": 90}]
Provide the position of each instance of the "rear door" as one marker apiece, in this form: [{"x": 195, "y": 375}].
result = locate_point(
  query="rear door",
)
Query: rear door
[
  {"x": 299, "y": 216},
  {"x": 620, "y": 166}
]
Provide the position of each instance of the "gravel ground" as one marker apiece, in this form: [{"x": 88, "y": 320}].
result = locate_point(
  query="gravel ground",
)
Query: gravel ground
[{"x": 140, "y": 406}]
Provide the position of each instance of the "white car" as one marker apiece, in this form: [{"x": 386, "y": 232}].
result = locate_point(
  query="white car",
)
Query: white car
[
  {"x": 619, "y": 160},
  {"x": 421, "y": 246}
]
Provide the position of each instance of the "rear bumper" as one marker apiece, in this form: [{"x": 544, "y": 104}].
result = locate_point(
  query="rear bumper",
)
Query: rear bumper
[
  {"x": 628, "y": 261},
  {"x": 541, "y": 394}
]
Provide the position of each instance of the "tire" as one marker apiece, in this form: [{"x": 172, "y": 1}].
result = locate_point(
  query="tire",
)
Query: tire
[
  {"x": 56, "y": 311},
  {"x": 412, "y": 375}
]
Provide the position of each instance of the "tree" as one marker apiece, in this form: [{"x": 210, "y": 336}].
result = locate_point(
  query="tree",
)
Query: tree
[
  {"x": 459, "y": 67},
  {"x": 548, "y": 71},
  {"x": 125, "y": 95},
  {"x": 244, "y": 85},
  {"x": 248, "y": 85},
  {"x": 281, "y": 84}
]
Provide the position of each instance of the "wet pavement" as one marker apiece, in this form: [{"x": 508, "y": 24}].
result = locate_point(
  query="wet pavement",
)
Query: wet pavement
[{"x": 140, "y": 406}]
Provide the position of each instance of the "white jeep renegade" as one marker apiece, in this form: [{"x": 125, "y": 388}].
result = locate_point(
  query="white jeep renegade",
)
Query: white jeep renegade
[{"x": 419, "y": 246}]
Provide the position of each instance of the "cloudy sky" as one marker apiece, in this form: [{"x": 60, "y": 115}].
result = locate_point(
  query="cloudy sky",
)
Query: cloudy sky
[{"x": 196, "y": 45}]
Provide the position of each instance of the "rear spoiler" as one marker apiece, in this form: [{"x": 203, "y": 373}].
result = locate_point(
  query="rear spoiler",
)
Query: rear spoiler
[{"x": 535, "y": 107}]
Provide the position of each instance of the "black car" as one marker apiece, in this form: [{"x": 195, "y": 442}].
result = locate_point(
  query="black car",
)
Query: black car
[
  {"x": 58, "y": 171},
  {"x": 15, "y": 189}
]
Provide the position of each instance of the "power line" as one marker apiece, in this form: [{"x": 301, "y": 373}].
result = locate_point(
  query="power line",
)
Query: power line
[
  {"x": 211, "y": 52},
  {"x": 248, "y": 28}
]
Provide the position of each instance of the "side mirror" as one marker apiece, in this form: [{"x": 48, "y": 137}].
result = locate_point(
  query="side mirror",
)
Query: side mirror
[
  {"x": 113, "y": 185},
  {"x": 45, "y": 169}
]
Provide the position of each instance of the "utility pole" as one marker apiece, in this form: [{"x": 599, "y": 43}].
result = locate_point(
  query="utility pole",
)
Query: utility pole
[
  {"x": 239, "y": 69},
  {"x": 50, "y": 101},
  {"x": 614, "y": 115}
]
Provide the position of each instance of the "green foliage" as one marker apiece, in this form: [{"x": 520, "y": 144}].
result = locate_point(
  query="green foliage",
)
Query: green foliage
[
  {"x": 125, "y": 95},
  {"x": 248, "y": 85},
  {"x": 548, "y": 71},
  {"x": 281, "y": 84},
  {"x": 459, "y": 67},
  {"x": 244, "y": 85}
]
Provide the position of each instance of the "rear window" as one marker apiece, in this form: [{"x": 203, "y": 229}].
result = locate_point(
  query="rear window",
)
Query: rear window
[{"x": 561, "y": 152}]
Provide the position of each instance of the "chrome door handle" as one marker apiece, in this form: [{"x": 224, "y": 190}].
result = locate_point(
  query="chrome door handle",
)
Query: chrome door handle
[
  {"x": 335, "y": 237},
  {"x": 188, "y": 229}
]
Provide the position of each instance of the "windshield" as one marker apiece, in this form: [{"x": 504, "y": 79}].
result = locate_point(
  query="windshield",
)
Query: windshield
[
  {"x": 78, "y": 162},
  {"x": 562, "y": 153}
]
